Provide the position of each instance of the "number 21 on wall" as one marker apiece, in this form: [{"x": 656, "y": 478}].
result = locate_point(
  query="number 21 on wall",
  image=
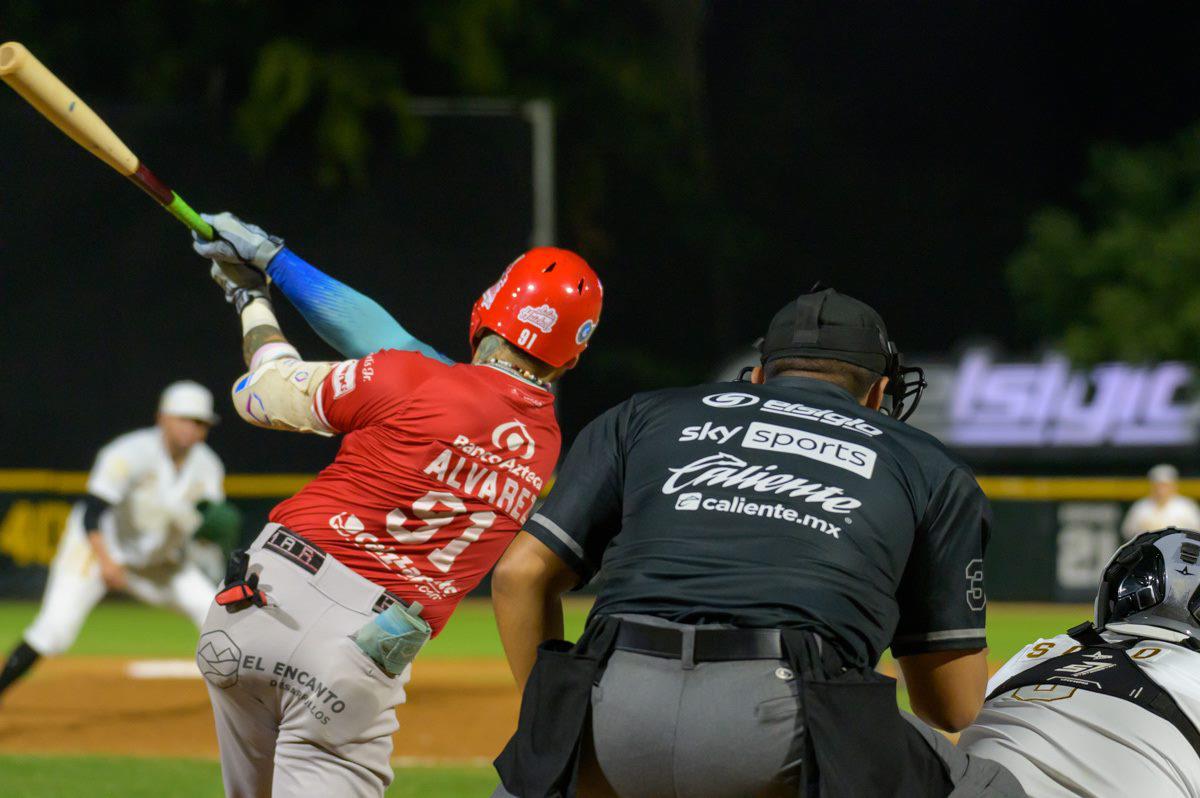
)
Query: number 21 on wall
[{"x": 436, "y": 510}]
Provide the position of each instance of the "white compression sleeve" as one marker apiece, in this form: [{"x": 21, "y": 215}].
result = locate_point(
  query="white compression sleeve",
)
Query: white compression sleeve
[{"x": 259, "y": 313}]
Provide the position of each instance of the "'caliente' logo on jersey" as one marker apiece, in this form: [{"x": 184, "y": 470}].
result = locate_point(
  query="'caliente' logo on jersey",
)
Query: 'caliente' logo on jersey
[{"x": 723, "y": 470}]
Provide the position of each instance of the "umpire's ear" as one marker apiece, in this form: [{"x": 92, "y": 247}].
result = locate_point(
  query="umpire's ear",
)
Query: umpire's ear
[
  {"x": 876, "y": 393},
  {"x": 757, "y": 377}
]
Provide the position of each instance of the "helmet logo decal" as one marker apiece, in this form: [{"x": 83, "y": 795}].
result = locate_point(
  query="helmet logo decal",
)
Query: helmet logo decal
[
  {"x": 514, "y": 437},
  {"x": 489, "y": 295},
  {"x": 543, "y": 317},
  {"x": 585, "y": 331}
]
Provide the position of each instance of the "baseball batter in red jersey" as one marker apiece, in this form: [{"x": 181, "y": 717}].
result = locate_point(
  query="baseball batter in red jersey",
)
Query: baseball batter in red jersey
[
  {"x": 439, "y": 467},
  {"x": 309, "y": 644}
]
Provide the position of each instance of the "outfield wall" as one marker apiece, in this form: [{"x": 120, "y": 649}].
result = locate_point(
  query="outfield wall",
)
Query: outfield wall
[{"x": 1051, "y": 537}]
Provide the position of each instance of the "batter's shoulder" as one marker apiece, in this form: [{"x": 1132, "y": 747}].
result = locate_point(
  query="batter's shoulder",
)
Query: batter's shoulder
[
  {"x": 407, "y": 358},
  {"x": 399, "y": 370}
]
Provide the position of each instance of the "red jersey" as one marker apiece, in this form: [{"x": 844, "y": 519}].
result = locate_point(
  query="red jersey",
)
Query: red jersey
[{"x": 439, "y": 468}]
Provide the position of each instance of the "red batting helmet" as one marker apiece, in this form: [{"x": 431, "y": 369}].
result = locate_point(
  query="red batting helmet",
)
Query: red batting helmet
[{"x": 546, "y": 303}]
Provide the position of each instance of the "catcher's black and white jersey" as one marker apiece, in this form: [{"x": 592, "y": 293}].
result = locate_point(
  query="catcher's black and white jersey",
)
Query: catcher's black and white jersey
[{"x": 1061, "y": 740}]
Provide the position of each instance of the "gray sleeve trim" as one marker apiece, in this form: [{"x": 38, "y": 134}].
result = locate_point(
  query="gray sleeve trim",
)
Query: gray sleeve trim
[
  {"x": 948, "y": 634},
  {"x": 558, "y": 532}
]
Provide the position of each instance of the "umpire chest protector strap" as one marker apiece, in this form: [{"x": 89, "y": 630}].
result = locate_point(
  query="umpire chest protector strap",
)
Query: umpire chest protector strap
[{"x": 1099, "y": 666}]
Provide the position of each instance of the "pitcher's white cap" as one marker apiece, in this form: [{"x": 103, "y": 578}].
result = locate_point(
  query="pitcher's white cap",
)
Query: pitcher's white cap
[
  {"x": 1163, "y": 472},
  {"x": 188, "y": 399}
]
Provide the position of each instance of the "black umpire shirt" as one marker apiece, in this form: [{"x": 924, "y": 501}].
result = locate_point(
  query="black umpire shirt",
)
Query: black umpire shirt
[{"x": 779, "y": 505}]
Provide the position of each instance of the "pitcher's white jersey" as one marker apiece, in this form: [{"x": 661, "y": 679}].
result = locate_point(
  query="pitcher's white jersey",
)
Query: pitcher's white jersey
[
  {"x": 1062, "y": 741},
  {"x": 153, "y": 512},
  {"x": 1147, "y": 515}
]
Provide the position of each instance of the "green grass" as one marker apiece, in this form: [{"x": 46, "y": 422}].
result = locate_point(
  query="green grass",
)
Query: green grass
[
  {"x": 128, "y": 629},
  {"x": 1013, "y": 626},
  {"x": 472, "y": 630},
  {"x": 115, "y": 629},
  {"x": 125, "y": 629},
  {"x": 101, "y": 777},
  {"x": 1010, "y": 627},
  {"x": 129, "y": 777}
]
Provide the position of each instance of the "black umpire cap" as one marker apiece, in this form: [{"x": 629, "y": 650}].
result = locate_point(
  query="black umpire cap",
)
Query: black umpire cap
[{"x": 827, "y": 325}]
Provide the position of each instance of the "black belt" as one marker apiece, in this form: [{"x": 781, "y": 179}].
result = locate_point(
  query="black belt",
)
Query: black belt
[
  {"x": 308, "y": 556},
  {"x": 710, "y": 645}
]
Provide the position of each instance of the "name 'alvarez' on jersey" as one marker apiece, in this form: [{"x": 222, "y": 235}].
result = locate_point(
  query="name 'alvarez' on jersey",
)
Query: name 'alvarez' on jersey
[{"x": 439, "y": 468}]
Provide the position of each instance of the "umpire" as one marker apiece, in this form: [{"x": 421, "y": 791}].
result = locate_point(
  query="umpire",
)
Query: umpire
[{"x": 760, "y": 544}]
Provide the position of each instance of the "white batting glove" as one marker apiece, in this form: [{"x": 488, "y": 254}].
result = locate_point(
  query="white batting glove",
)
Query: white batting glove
[
  {"x": 237, "y": 242},
  {"x": 241, "y": 284}
]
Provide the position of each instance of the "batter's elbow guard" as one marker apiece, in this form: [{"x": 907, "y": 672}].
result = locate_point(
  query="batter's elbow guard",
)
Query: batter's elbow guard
[{"x": 279, "y": 395}]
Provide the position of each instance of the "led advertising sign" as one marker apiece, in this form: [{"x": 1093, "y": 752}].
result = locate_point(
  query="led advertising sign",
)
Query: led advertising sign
[{"x": 983, "y": 402}]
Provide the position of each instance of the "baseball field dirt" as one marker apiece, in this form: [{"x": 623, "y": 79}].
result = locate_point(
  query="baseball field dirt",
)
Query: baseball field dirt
[
  {"x": 457, "y": 710},
  {"x": 84, "y": 725}
]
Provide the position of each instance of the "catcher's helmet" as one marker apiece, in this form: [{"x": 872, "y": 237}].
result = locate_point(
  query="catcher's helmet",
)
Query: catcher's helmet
[
  {"x": 546, "y": 303},
  {"x": 1154, "y": 580}
]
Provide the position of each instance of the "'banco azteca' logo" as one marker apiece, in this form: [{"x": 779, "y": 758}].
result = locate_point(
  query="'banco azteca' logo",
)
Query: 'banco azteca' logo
[
  {"x": 731, "y": 399},
  {"x": 513, "y": 436},
  {"x": 218, "y": 657}
]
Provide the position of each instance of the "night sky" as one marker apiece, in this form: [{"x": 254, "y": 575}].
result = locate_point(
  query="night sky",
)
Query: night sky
[
  {"x": 893, "y": 150},
  {"x": 898, "y": 149}
]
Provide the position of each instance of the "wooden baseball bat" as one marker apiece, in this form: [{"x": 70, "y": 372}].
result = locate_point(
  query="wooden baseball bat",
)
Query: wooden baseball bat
[{"x": 53, "y": 100}]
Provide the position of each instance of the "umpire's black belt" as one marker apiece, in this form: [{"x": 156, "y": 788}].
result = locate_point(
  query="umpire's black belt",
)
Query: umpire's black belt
[
  {"x": 708, "y": 645},
  {"x": 691, "y": 644}
]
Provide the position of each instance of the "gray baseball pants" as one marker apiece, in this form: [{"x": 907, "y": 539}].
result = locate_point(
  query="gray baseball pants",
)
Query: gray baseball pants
[
  {"x": 707, "y": 730},
  {"x": 300, "y": 710},
  {"x": 662, "y": 728}
]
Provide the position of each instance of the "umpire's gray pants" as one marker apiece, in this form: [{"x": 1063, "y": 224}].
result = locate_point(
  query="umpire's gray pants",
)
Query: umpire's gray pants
[
  {"x": 666, "y": 728},
  {"x": 712, "y": 730},
  {"x": 971, "y": 775}
]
